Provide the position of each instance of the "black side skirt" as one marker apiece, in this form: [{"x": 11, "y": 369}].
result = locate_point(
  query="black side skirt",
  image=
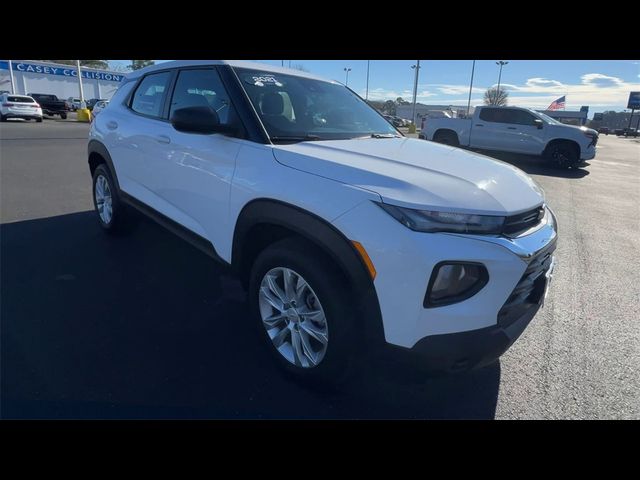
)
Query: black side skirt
[{"x": 194, "y": 239}]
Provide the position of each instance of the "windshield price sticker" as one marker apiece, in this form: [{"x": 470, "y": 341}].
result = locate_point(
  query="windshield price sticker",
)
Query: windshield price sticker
[{"x": 263, "y": 80}]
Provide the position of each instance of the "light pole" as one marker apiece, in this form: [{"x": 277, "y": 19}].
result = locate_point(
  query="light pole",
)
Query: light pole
[
  {"x": 347, "y": 79},
  {"x": 366, "y": 97},
  {"x": 415, "y": 90},
  {"x": 82, "y": 104},
  {"x": 473, "y": 67},
  {"x": 13, "y": 83},
  {"x": 502, "y": 64}
]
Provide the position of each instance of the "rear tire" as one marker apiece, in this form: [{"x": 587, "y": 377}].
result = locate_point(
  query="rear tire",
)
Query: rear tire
[
  {"x": 313, "y": 362},
  {"x": 3, "y": 118},
  {"x": 446, "y": 138},
  {"x": 112, "y": 214},
  {"x": 63, "y": 116},
  {"x": 39, "y": 119},
  {"x": 563, "y": 155}
]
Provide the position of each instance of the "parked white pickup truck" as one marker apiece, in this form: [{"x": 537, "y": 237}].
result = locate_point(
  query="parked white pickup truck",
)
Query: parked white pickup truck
[{"x": 517, "y": 130}]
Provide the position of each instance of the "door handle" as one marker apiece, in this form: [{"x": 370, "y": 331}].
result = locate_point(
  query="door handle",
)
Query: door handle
[
  {"x": 112, "y": 125},
  {"x": 479, "y": 125},
  {"x": 512, "y": 128},
  {"x": 163, "y": 139}
]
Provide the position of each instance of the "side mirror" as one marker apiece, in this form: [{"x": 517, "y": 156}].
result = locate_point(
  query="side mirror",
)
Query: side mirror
[
  {"x": 538, "y": 123},
  {"x": 202, "y": 120}
]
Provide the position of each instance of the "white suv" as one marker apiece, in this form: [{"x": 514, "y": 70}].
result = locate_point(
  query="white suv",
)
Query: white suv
[{"x": 347, "y": 235}]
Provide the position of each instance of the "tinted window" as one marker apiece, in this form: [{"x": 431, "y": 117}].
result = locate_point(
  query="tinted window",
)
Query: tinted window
[
  {"x": 519, "y": 117},
  {"x": 148, "y": 98},
  {"x": 20, "y": 99},
  {"x": 488, "y": 114},
  {"x": 202, "y": 88}
]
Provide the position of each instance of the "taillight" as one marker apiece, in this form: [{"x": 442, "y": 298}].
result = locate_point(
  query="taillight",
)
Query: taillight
[
  {"x": 7, "y": 105},
  {"x": 36, "y": 105}
]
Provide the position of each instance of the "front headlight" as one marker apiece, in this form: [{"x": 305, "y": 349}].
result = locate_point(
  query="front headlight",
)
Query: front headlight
[{"x": 435, "y": 221}]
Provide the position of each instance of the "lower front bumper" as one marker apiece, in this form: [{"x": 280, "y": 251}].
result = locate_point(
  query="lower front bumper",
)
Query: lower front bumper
[{"x": 462, "y": 351}]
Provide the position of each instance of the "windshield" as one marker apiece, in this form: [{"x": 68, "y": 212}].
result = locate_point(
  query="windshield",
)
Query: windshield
[
  {"x": 547, "y": 118},
  {"x": 294, "y": 108}
]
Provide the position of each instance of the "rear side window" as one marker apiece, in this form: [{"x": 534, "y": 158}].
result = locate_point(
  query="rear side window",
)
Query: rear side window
[
  {"x": 519, "y": 117},
  {"x": 148, "y": 98},
  {"x": 488, "y": 114},
  {"x": 20, "y": 99}
]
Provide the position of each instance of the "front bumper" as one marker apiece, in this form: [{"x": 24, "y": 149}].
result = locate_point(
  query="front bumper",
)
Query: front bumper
[{"x": 464, "y": 334}]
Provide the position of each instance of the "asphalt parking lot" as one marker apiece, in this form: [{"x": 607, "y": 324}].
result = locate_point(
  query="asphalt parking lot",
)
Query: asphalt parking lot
[{"x": 146, "y": 326}]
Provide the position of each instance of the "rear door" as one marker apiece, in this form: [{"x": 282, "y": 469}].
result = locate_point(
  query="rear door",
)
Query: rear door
[{"x": 487, "y": 130}]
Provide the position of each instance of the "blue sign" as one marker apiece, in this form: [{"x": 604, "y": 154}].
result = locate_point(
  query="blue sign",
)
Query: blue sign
[
  {"x": 634, "y": 101},
  {"x": 62, "y": 70}
]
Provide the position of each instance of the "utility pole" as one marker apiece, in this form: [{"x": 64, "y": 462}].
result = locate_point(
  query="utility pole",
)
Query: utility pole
[
  {"x": 367, "y": 94},
  {"x": 473, "y": 68},
  {"x": 415, "y": 90},
  {"x": 502, "y": 64},
  {"x": 13, "y": 82}
]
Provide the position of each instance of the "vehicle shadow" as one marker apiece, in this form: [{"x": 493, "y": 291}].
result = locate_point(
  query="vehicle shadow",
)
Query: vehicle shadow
[
  {"x": 146, "y": 326},
  {"x": 537, "y": 166}
]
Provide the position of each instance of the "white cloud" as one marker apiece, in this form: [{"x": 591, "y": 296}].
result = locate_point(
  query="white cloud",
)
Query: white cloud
[{"x": 594, "y": 89}]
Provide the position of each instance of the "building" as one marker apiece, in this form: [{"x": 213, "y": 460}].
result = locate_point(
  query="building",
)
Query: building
[
  {"x": 569, "y": 117},
  {"x": 31, "y": 76}
]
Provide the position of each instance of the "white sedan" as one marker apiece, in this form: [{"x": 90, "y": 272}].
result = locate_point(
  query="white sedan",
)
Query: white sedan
[{"x": 19, "y": 106}]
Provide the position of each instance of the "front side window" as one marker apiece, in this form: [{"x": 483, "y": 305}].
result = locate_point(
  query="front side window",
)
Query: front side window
[
  {"x": 148, "y": 98},
  {"x": 202, "y": 88},
  {"x": 298, "y": 108}
]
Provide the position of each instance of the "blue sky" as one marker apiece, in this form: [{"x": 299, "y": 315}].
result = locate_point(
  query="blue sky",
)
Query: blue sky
[{"x": 600, "y": 84}]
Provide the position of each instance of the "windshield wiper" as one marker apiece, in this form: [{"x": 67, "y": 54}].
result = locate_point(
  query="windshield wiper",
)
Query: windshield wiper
[
  {"x": 379, "y": 135},
  {"x": 294, "y": 138}
]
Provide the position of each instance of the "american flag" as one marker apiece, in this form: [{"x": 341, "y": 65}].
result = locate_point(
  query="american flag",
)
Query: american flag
[{"x": 557, "y": 104}]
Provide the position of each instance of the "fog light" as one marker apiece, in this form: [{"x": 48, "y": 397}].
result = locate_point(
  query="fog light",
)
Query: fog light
[{"x": 453, "y": 282}]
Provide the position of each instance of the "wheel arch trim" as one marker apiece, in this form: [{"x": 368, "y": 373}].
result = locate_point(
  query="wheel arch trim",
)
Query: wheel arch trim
[{"x": 326, "y": 236}]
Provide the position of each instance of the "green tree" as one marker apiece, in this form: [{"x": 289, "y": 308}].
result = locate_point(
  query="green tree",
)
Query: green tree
[
  {"x": 138, "y": 64},
  {"x": 402, "y": 101},
  {"x": 83, "y": 63},
  {"x": 389, "y": 107},
  {"x": 493, "y": 96}
]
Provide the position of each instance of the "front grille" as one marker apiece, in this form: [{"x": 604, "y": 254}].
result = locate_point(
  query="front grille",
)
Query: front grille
[
  {"x": 522, "y": 221},
  {"x": 529, "y": 290}
]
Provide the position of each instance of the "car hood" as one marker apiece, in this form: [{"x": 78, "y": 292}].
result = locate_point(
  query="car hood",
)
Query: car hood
[{"x": 418, "y": 174}]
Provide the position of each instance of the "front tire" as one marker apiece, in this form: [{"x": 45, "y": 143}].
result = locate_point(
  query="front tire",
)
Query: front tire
[
  {"x": 563, "y": 155},
  {"x": 111, "y": 213},
  {"x": 304, "y": 313}
]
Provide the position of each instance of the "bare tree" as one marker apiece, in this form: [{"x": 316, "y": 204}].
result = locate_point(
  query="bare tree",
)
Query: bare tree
[
  {"x": 493, "y": 96},
  {"x": 299, "y": 66}
]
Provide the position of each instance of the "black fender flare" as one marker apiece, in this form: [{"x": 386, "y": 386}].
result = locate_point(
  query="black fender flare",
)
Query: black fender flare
[
  {"x": 320, "y": 232},
  {"x": 97, "y": 147}
]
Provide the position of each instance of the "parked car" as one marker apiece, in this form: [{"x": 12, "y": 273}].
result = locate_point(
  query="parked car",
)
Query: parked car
[
  {"x": 630, "y": 132},
  {"x": 91, "y": 103},
  {"x": 19, "y": 106},
  {"x": 395, "y": 121},
  {"x": 97, "y": 108},
  {"x": 51, "y": 105},
  {"x": 517, "y": 130},
  {"x": 604, "y": 130},
  {"x": 73, "y": 103},
  {"x": 348, "y": 236}
]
